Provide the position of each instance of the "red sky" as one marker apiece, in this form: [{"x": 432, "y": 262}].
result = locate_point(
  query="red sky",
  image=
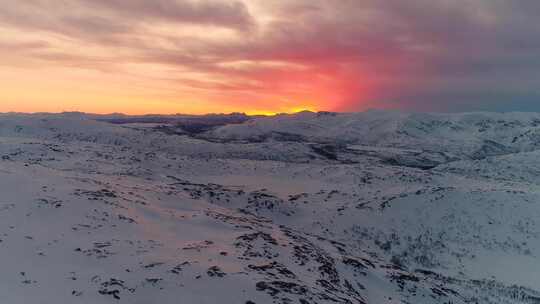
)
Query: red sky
[{"x": 254, "y": 56}]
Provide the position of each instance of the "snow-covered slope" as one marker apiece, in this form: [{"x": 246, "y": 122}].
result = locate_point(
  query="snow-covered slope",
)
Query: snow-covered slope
[
  {"x": 469, "y": 135},
  {"x": 374, "y": 207}
]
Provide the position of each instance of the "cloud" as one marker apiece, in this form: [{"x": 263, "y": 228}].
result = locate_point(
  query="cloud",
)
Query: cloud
[
  {"x": 338, "y": 55},
  {"x": 84, "y": 19},
  {"x": 232, "y": 14}
]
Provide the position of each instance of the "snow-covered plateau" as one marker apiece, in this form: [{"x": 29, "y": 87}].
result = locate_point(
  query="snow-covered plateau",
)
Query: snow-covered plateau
[{"x": 373, "y": 207}]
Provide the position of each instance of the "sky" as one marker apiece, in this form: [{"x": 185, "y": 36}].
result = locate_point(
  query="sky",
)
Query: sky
[{"x": 269, "y": 56}]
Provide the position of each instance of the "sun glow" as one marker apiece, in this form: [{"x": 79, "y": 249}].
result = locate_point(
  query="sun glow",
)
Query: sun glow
[
  {"x": 161, "y": 67},
  {"x": 291, "y": 110}
]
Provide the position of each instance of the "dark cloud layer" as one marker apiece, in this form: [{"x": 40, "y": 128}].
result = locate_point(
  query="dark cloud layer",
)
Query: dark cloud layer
[
  {"x": 440, "y": 55},
  {"x": 232, "y": 14}
]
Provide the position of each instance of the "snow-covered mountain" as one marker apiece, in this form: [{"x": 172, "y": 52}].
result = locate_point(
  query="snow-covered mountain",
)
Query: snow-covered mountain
[{"x": 372, "y": 207}]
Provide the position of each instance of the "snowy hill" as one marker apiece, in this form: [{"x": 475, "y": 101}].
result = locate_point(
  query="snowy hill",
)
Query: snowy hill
[
  {"x": 473, "y": 135},
  {"x": 373, "y": 207}
]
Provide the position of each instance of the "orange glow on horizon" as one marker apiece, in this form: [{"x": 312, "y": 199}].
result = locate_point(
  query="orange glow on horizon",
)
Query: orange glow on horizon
[
  {"x": 292, "y": 110},
  {"x": 54, "y": 72},
  {"x": 82, "y": 90}
]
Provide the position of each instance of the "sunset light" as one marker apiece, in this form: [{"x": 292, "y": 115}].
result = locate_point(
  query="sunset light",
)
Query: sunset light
[{"x": 220, "y": 56}]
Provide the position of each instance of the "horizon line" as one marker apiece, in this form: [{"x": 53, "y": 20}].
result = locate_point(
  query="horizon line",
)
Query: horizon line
[{"x": 262, "y": 114}]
